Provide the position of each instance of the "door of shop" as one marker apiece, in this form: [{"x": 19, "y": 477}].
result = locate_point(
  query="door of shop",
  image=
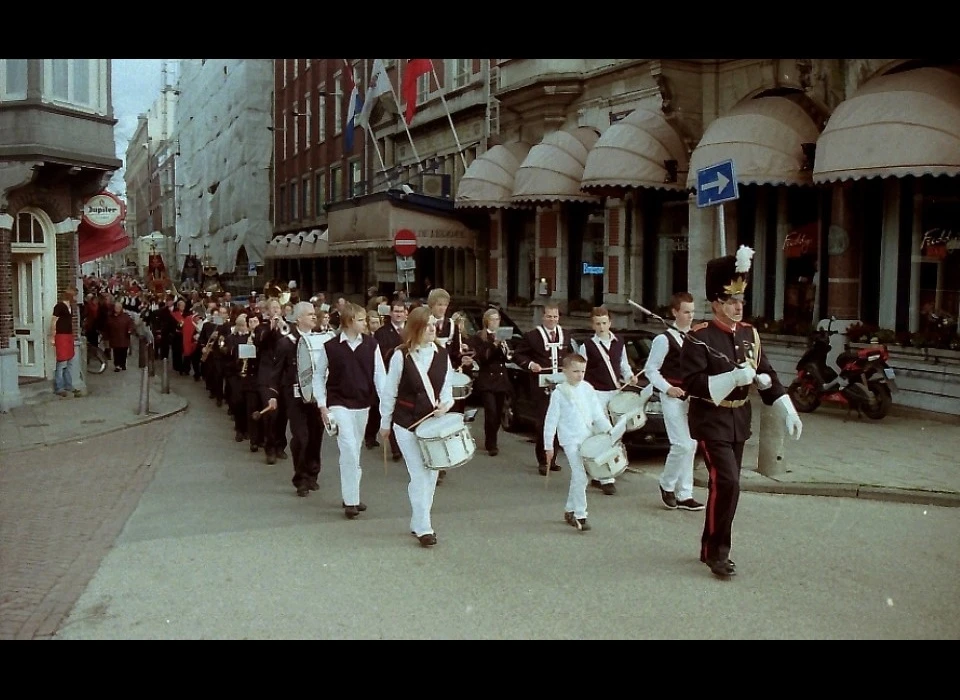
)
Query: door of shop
[{"x": 28, "y": 317}]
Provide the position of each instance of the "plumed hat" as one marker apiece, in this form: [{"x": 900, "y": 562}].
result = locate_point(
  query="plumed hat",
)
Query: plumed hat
[{"x": 728, "y": 276}]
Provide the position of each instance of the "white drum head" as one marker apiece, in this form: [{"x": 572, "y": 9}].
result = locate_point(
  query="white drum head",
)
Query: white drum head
[
  {"x": 625, "y": 402},
  {"x": 440, "y": 426},
  {"x": 596, "y": 446},
  {"x": 460, "y": 379}
]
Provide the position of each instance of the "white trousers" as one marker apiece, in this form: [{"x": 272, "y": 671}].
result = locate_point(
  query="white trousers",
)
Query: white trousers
[
  {"x": 423, "y": 481},
  {"x": 677, "y": 474},
  {"x": 351, "y": 423},
  {"x": 605, "y": 397},
  {"x": 577, "y": 494}
]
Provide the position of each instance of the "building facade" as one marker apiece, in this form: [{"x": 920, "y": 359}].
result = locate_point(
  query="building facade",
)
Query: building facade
[{"x": 57, "y": 150}]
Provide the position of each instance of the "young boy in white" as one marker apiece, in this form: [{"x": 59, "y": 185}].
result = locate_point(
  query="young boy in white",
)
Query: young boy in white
[
  {"x": 574, "y": 414},
  {"x": 662, "y": 369}
]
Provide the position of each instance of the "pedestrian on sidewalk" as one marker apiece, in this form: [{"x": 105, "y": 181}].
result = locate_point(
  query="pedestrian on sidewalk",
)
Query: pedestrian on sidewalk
[
  {"x": 61, "y": 338},
  {"x": 119, "y": 328}
]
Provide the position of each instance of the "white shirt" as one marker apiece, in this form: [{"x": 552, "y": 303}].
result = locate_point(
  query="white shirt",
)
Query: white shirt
[
  {"x": 573, "y": 411},
  {"x": 390, "y": 385},
  {"x": 626, "y": 372},
  {"x": 323, "y": 366},
  {"x": 658, "y": 353}
]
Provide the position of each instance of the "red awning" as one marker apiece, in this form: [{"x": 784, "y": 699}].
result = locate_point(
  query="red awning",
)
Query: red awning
[{"x": 97, "y": 242}]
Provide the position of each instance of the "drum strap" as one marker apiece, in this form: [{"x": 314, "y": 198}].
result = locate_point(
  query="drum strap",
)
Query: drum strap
[
  {"x": 427, "y": 384},
  {"x": 552, "y": 348},
  {"x": 568, "y": 392}
]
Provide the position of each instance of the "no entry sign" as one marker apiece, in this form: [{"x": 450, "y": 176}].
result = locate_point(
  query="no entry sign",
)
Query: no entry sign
[{"x": 405, "y": 242}]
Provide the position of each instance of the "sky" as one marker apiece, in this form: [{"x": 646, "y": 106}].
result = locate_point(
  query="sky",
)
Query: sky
[{"x": 137, "y": 83}]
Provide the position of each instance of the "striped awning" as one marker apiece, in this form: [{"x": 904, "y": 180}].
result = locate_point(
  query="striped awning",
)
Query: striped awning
[
  {"x": 489, "y": 180},
  {"x": 764, "y": 137},
  {"x": 895, "y": 125},
  {"x": 634, "y": 152},
  {"x": 553, "y": 169}
]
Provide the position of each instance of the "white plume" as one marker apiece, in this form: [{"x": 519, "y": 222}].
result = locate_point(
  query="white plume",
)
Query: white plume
[{"x": 744, "y": 256}]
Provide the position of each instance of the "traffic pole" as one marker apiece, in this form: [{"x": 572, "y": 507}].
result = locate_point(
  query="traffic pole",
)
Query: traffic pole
[
  {"x": 770, "y": 460},
  {"x": 165, "y": 375},
  {"x": 144, "y": 407}
]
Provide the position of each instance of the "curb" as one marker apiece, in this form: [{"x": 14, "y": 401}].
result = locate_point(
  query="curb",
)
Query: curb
[
  {"x": 841, "y": 490},
  {"x": 99, "y": 433}
]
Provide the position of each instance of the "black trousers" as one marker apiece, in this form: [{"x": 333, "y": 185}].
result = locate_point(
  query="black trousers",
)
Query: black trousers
[
  {"x": 120, "y": 357},
  {"x": 274, "y": 422},
  {"x": 306, "y": 428},
  {"x": 238, "y": 404},
  {"x": 542, "y": 403},
  {"x": 723, "y": 494},
  {"x": 492, "y": 402}
]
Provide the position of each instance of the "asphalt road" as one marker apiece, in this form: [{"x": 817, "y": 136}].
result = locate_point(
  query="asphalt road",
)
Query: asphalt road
[{"x": 219, "y": 547}]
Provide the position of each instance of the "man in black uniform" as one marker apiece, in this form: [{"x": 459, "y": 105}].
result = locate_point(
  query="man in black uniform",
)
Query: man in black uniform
[
  {"x": 389, "y": 337},
  {"x": 718, "y": 364},
  {"x": 283, "y": 384},
  {"x": 274, "y": 422},
  {"x": 541, "y": 351}
]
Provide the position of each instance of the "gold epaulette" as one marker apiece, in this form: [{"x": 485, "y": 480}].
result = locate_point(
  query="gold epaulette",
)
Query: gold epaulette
[{"x": 699, "y": 327}]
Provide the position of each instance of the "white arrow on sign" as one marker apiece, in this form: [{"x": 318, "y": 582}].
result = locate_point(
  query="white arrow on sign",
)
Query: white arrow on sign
[{"x": 720, "y": 183}]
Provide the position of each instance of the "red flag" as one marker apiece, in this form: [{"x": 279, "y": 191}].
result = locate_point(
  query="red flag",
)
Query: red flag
[{"x": 415, "y": 68}]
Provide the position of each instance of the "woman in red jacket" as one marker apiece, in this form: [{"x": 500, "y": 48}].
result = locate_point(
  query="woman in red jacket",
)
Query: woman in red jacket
[
  {"x": 191, "y": 353},
  {"x": 119, "y": 329},
  {"x": 176, "y": 344}
]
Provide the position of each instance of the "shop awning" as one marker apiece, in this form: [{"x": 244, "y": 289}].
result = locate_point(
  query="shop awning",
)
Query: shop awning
[
  {"x": 97, "y": 242},
  {"x": 893, "y": 126},
  {"x": 272, "y": 247},
  {"x": 305, "y": 248},
  {"x": 634, "y": 152},
  {"x": 764, "y": 137},
  {"x": 320, "y": 245},
  {"x": 371, "y": 224},
  {"x": 488, "y": 182},
  {"x": 553, "y": 169}
]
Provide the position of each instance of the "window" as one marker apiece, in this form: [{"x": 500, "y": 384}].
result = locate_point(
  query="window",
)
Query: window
[
  {"x": 296, "y": 68},
  {"x": 13, "y": 78},
  {"x": 28, "y": 229},
  {"x": 296, "y": 128},
  {"x": 337, "y": 104},
  {"x": 321, "y": 192},
  {"x": 286, "y": 130},
  {"x": 307, "y": 119},
  {"x": 281, "y": 206},
  {"x": 423, "y": 87},
  {"x": 460, "y": 70},
  {"x": 321, "y": 117},
  {"x": 75, "y": 81},
  {"x": 336, "y": 181},
  {"x": 294, "y": 203},
  {"x": 307, "y": 202},
  {"x": 306, "y": 63},
  {"x": 356, "y": 178}
]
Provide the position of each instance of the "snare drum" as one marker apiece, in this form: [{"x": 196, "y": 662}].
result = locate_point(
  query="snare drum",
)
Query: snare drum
[
  {"x": 308, "y": 348},
  {"x": 628, "y": 403},
  {"x": 462, "y": 385},
  {"x": 445, "y": 442},
  {"x": 603, "y": 458}
]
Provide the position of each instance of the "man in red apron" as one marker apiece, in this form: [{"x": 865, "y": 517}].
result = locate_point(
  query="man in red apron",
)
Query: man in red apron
[{"x": 61, "y": 338}]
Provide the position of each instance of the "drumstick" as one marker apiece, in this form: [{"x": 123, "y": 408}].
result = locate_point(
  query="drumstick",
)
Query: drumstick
[
  {"x": 429, "y": 415},
  {"x": 636, "y": 376},
  {"x": 257, "y": 415},
  {"x": 384, "y": 456}
]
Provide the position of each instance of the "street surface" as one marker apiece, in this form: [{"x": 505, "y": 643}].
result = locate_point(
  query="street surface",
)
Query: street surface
[{"x": 219, "y": 547}]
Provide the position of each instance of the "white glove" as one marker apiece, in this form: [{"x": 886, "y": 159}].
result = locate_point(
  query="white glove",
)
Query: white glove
[
  {"x": 720, "y": 385},
  {"x": 791, "y": 419},
  {"x": 763, "y": 381},
  {"x": 744, "y": 375}
]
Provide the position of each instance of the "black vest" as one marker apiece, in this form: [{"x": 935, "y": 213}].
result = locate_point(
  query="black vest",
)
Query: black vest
[
  {"x": 412, "y": 400},
  {"x": 670, "y": 369},
  {"x": 597, "y": 373},
  {"x": 350, "y": 382}
]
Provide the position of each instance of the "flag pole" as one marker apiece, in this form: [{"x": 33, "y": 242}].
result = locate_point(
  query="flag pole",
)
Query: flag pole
[
  {"x": 449, "y": 117},
  {"x": 404, "y": 121}
]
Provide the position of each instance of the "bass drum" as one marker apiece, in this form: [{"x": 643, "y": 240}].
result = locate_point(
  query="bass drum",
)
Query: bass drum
[{"x": 308, "y": 348}]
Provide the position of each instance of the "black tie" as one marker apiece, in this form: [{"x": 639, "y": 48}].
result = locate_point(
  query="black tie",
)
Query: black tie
[{"x": 553, "y": 336}]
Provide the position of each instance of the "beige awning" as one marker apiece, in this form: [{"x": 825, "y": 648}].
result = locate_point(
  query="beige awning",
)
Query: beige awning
[
  {"x": 764, "y": 137},
  {"x": 271, "y": 251},
  {"x": 372, "y": 225},
  {"x": 305, "y": 247},
  {"x": 633, "y": 153},
  {"x": 893, "y": 126},
  {"x": 320, "y": 246},
  {"x": 488, "y": 182},
  {"x": 553, "y": 169}
]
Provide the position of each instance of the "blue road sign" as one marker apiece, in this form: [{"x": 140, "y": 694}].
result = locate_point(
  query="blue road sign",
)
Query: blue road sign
[{"x": 716, "y": 184}]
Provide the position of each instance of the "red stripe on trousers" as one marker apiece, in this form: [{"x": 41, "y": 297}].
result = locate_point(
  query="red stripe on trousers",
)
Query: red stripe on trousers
[{"x": 712, "y": 495}]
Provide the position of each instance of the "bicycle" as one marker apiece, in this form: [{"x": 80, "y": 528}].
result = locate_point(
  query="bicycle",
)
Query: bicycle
[{"x": 96, "y": 359}]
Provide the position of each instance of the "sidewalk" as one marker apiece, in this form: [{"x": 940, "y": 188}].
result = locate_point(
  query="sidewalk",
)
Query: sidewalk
[
  {"x": 111, "y": 403},
  {"x": 909, "y": 457}
]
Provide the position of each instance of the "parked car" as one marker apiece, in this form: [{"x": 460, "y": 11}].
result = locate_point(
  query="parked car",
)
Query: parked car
[{"x": 519, "y": 412}]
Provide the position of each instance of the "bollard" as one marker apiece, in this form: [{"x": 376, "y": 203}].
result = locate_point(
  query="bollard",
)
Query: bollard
[
  {"x": 150, "y": 360},
  {"x": 144, "y": 407},
  {"x": 772, "y": 432},
  {"x": 165, "y": 376}
]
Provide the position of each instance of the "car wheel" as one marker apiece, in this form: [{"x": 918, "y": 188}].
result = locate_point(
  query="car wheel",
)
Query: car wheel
[{"x": 508, "y": 419}]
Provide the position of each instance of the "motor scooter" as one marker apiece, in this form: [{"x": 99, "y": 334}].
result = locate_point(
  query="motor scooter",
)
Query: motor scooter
[{"x": 864, "y": 383}]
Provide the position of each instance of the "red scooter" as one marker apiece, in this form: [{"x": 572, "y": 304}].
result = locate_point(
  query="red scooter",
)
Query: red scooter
[{"x": 864, "y": 383}]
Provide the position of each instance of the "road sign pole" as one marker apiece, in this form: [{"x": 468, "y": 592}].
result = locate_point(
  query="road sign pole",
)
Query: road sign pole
[{"x": 723, "y": 231}]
